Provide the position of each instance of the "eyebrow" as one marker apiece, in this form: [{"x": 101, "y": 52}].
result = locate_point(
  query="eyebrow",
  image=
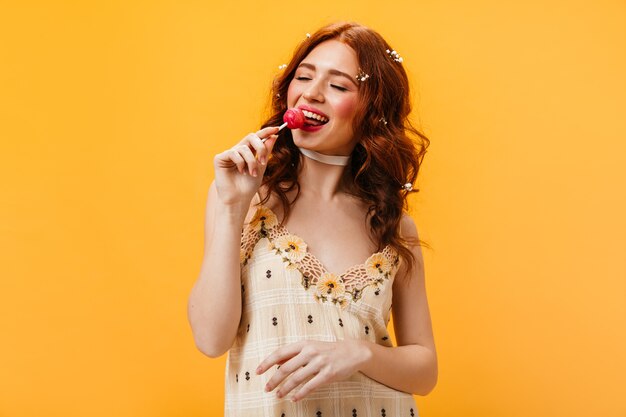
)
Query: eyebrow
[{"x": 331, "y": 71}]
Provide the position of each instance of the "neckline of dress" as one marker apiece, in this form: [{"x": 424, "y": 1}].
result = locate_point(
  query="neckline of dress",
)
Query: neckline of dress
[{"x": 324, "y": 269}]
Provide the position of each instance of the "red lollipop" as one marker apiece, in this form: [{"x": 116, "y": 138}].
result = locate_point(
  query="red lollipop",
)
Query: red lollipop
[{"x": 294, "y": 118}]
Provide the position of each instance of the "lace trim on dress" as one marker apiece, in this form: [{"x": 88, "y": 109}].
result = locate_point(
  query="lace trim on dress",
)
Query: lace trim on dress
[{"x": 326, "y": 286}]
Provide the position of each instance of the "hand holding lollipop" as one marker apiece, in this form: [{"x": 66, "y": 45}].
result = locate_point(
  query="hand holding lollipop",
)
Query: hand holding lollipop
[{"x": 293, "y": 118}]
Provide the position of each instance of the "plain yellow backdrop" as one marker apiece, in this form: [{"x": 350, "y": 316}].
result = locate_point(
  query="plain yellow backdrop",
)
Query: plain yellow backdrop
[{"x": 111, "y": 112}]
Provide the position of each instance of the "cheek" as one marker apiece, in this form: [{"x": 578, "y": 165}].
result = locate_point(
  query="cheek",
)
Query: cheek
[{"x": 346, "y": 108}]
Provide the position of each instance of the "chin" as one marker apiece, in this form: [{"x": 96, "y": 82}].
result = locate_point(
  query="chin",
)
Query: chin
[{"x": 302, "y": 140}]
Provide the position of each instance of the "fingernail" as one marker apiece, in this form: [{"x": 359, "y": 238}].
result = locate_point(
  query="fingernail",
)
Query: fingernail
[
  {"x": 254, "y": 172},
  {"x": 263, "y": 160},
  {"x": 267, "y": 387}
]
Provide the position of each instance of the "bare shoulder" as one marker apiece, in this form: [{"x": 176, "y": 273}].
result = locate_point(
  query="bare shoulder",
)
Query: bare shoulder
[{"x": 408, "y": 228}]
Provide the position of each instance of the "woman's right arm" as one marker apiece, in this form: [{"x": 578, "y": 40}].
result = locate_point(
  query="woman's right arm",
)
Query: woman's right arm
[{"x": 214, "y": 306}]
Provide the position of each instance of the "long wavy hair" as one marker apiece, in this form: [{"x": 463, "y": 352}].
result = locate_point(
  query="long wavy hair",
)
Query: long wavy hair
[{"x": 389, "y": 151}]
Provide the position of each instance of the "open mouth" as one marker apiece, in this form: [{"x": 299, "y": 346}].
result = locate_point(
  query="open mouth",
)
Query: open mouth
[{"x": 314, "y": 119}]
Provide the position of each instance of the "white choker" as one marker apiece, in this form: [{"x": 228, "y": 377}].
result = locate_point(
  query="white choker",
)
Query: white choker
[{"x": 326, "y": 159}]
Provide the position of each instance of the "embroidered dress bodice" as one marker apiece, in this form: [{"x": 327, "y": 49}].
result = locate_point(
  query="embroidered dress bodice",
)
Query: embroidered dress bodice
[{"x": 287, "y": 296}]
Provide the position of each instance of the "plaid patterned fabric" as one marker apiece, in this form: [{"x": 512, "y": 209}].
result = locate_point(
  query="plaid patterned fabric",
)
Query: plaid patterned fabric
[{"x": 287, "y": 296}]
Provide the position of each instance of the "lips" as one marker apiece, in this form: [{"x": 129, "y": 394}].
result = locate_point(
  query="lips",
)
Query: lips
[
  {"x": 311, "y": 128},
  {"x": 314, "y": 115}
]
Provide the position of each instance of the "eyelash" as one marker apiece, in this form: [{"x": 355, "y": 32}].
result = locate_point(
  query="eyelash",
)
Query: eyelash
[{"x": 332, "y": 85}]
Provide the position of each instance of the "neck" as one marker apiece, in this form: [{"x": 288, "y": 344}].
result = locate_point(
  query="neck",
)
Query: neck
[{"x": 320, "y": 179}]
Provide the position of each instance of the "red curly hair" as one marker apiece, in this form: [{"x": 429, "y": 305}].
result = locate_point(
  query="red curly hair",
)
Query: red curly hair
[{"x": 387, "y": 156}]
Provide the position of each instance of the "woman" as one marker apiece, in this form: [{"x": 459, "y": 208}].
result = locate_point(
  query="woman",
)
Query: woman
[{"x": 301, "y": 299}]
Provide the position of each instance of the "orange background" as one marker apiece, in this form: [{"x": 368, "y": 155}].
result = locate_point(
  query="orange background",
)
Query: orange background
[{"x": 111, "y": 112}]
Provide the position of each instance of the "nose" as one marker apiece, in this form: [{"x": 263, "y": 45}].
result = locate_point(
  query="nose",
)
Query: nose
[{"x": 313, "y": 92}]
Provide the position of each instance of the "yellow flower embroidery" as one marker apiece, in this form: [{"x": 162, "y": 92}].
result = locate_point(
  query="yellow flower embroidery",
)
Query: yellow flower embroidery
[
  {"x": 330, "y": 288},
  {"x": 263, "y": 218},
  {"x": 291, "y": 247},
  {"x": 331, "y": 285},
  {"x": 377, "y": 266}
]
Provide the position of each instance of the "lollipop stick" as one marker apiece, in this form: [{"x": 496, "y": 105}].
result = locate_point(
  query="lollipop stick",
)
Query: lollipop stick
[{"x": 279, "y": 129}]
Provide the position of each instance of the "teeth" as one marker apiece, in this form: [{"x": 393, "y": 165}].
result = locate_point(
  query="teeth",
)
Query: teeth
[{"x": 315, "y": 116}]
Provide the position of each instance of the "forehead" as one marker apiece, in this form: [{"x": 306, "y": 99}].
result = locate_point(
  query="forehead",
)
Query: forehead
[{"x": 333, "y": 54}]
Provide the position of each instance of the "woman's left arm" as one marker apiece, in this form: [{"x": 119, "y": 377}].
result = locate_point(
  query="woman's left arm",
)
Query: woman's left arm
[{"x": 410, "y": 367}]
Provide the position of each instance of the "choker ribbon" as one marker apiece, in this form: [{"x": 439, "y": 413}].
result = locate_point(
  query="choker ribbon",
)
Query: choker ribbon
[{"x": 326, "y": 159}]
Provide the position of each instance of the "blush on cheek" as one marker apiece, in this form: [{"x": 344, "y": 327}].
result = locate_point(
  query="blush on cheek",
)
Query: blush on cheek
[{"x": 345, "y": 109}]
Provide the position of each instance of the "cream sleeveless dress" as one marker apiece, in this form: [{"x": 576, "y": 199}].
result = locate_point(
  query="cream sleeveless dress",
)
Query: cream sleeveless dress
[{"x": 287, "y": 296}]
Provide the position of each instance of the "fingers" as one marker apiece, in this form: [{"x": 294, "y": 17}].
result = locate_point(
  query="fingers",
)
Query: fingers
[
  {"x": 266, "y": 135},
  {"x": 251, "y": 152},
  {"x": 313, "y": 384},
  {"x": 241, "y": 156},
  {"x": 259, "y": 147},
  {"x": 257, "y": 142},
  {"x": 238, "y": 161},
  {"x": 248, "y": 156},
  {"x": 293, "y": 365},
  {"x": 298, "y": 377},
  {"x": 281, "y": 354},
  {"x": 266, "y": 132},
  {"x": 269, "y": 143}
]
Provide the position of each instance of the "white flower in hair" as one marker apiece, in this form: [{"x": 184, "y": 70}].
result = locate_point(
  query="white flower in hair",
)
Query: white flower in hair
[
  {"x": 394, "y": 55},
  {"x": 362, "y": 76}
]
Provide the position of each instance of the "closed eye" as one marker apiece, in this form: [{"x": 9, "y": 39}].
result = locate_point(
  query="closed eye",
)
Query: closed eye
[
  {"x": 302, "y": 78},
  {"x": 339, "y": 87}
]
